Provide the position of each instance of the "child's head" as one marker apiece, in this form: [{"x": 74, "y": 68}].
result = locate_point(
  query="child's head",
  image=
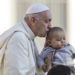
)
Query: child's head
[
  {"x": 55, "y": 38},
  {"x": 60, "y": 70}
]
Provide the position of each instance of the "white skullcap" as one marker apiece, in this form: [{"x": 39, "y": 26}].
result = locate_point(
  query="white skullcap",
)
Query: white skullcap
[{"x": 35, "y": 8}]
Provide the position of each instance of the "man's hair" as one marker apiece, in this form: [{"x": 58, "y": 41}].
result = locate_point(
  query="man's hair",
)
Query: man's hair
[
  {"x": 60, "y": 70},
  {"x": 38, "y": 15}
]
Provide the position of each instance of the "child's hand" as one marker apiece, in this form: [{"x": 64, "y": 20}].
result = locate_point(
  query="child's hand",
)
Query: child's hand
[
  {"x": 45, "y": 68},
  {"x": 48, "y": 62}
]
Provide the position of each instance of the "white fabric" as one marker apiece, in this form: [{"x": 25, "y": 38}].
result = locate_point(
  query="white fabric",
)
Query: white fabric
[
  {"x": 35, "y": 8},
  {"x": 17, "y": 51}
]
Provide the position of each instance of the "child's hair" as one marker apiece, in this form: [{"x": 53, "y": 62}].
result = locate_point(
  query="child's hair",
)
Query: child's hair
[
  {"x": 60, "y": 70},
  {"x": 50, "y": 34}
]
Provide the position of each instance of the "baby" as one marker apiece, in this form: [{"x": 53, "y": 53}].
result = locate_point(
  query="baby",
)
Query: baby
[{"x": 56, "y": 51}]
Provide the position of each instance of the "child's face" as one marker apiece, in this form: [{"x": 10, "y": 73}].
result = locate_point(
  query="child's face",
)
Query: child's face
[{"x": 58, "y": 40}]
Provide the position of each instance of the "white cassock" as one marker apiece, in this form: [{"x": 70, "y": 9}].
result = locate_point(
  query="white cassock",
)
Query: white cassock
[{"x": 17, "y": 54}]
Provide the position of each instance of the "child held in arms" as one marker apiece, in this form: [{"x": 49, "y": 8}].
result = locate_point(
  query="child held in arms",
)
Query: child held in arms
[{"x": 56, "y": 50}]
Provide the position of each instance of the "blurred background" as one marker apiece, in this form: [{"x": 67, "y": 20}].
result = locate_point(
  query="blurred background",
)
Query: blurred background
[{"x": 12, "y": 11}]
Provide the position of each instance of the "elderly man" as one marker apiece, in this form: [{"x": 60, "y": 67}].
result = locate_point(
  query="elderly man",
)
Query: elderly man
[{"x": 18, "y": 52}]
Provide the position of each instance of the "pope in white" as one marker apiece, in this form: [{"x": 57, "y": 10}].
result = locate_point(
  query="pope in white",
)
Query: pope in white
[{"x": 18, "y": 52}]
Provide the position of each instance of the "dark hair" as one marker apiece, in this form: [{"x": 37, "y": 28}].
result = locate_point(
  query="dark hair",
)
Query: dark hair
[
  {"x": 51, "y": 33},
  {"x": 60, "y": 70}
]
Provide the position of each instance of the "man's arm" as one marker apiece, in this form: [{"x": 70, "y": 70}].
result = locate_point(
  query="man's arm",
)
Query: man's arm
[{"x": 16, "y": 60}]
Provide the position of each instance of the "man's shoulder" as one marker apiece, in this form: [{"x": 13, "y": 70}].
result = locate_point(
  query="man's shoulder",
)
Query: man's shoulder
[
  {"x": 18, "y": 39},
  {"x": 19, "y": 36}
]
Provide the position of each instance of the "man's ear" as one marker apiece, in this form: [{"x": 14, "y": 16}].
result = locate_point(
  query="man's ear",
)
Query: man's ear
[{"x": 33, "y": 19}]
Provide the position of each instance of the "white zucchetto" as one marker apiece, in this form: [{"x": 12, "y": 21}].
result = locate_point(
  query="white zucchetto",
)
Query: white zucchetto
[{"x": 36, "y": 8}]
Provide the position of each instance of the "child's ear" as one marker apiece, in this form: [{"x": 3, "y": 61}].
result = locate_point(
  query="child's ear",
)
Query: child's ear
[{"x": 49, "y": 43}]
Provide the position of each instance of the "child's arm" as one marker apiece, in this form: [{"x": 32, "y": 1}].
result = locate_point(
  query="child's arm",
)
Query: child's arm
[
  {"x": 45, "y": 64},
  {"x": 45, "y": 59},
  {"x": 48, "y": 61},
  {"x": 44, "y": 67}
]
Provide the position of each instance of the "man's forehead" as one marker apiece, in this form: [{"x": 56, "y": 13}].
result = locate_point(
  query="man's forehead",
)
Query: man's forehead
[{"x": 46, "y": 15}]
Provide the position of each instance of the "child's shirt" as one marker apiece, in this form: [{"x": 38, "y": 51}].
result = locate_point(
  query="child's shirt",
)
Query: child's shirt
[{"x": 63, "y": 56}]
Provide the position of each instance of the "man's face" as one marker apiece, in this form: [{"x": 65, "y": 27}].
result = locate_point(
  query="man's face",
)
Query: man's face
[{"x": 43, "y": 24}]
